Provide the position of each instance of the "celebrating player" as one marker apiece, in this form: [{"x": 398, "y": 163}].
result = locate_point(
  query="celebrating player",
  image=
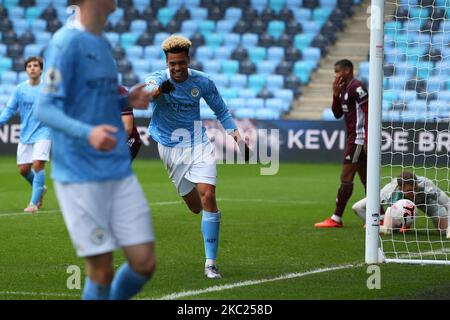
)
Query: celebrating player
[
  {"x": 422, "y": 191},
  {"x": 103, "y": 205},
  {"x": 350, "y": 98},
  {"x": 183, "y": 145},
  {"x": 33, "y": 150}
]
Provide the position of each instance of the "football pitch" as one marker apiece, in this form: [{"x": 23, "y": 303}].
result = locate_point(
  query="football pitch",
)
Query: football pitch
[{"x": 268, "y": 249}]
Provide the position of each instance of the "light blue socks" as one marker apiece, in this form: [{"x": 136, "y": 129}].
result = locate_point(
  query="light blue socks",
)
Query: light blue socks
[
  {"x": 126, "y": 283},
  {"x": 38, "y": 186},
  {"x": 94, "y": 291},
  {"x": 210, "y": 231}
]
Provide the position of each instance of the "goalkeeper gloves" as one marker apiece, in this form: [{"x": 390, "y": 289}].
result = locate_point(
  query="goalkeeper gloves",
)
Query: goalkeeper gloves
[{"x": 166, "y": 87}]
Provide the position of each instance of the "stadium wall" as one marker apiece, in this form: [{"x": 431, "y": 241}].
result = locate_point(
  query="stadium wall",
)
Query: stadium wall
[{"x": 301, "y": 141}]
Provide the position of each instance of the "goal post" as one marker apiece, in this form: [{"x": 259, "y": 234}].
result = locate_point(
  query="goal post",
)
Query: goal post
[
  {"x": 409, "y": 125},
  {"x": 374, "y": 128}
]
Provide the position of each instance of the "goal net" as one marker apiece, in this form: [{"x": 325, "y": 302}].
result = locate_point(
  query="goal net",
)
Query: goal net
[{"x": 415, "y": 138}]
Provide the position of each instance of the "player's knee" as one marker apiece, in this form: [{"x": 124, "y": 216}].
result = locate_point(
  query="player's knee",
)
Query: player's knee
[
  {"x": 209, "y": 197},
  {"x": 196, "y": 208},
  {"x": 145, "y": 267},
  {"x": 101, "y": 275},
  {"x": 24, "y": 171}
]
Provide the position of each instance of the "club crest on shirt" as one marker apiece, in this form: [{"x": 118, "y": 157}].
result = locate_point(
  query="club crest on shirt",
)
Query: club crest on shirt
[
  {"x": 98, "y": 236},
  {"x": 52, "y": 80},
  {"x": 195, "y": 92}
]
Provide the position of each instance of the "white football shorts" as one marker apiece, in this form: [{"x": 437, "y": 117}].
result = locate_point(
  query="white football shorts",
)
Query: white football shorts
[
  {"x": 188, "y": 166},
  {"x": 27, "y": 153},
  {"x": 104, "y": 216}
]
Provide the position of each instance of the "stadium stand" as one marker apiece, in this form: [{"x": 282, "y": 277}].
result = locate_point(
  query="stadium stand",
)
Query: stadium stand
[{"x": 261, "y": 53}]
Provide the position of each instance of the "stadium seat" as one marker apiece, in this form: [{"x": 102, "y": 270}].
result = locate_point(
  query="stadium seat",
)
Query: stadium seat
[
  {"x": 235, "y": 104},
  {"x": 212, "y": 66},
  {"x": 229, "y": 93},
  {"x": 276, "y": 104},
  {"x": 247, "y": 93},
  {"x": 233, "y": 14},
  {"x": 249, "y": 40},
  {"x": 153, "y": 52},
  {"x": 221, "y": 80},
  {"x": 222, "y": 53},
  {"x": 165, "y": 15},
  {"x": 276, "y": 28},
  {"x": 224, "y": 26},
  {"x": 256, "y": 81},
  {"x": 285, "y": 95},
  {"x": 257, "y": 54},
  {"x": 231, "y": 39},
  {"x": 266, "y": 67},
  {"x": 238, "y": 80},
  {"x": 230, "y": 67},
  {"x": 254, "y": 103},
  {"x": 207, "y": 26},
  {"x": 328, "y": 115},
  {"x": 204, "y": 53},
  {"x": 266, "y": 114},
  {"x": 275, "y": 54},
  {"x": 9, "y": 77},
  {"x": 213, "y": 39},
  {"x": 244, "y": 113}
]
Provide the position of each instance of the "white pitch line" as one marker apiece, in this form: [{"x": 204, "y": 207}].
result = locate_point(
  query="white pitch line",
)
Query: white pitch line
[
  {"x": 38, "y": 294},
  {"x": 189, "y": 293},
  {"x": 168, "y": 203}
]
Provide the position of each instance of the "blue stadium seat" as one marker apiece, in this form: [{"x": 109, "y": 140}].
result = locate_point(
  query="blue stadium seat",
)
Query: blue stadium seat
[
  {"x": 174, "y": 3},
  {"x": 38, "y": 25},
  {"x": 230, "y": 67},
  {"x": 256, "y": 81},
  {"x": 5, "y": 64},
  {"x": 234, "y": 104},
  {"x": 20, "y": 26},
  {"x": 128, "y": 39},
  {"x": 321, "y": 15},
  {"x": 276, "y": 104},
  {"x": 311, "y": 27},
  {"x": 189, "y": 27},
  {"x": 141, "y": 65},
  {"x": 140, "y": 4},
  {"x": 254, "y": 103},
  {"x": 330, "y": 4},
  {"x": 223, "y": 53},
  {"x": 224, "y": 26},
  {"x": 138, "y": 26},
  {"x": 192, "y": 4},
  {"x": 33, "y": 50},
  {"x": 244, "y": 113},
  {"x": 266, "y": 67},
  {"x": 266, "y": 114},
  {"x": 417, "y": 106},
  {"x": 407, "y": 96},
  {"x": 229, "y": 93},
  {"x": 233, "y": 14},
  {"x": 293, "y": 4},
  {"x": 391, "y": 95},
  {"x": 302, "y": 41},
  {"x": 3, "y": 49},
  {"x": 434, "y": 84},
  {"x": 238, "y": 81},
  {"x": 276, "y": 28},
  {"x": 302, "y": 68},
  {"x": 440, "y": 105},
  {"x": 391, "y": 116},
  {"x": 199, "y": 14},
  {"x": 257, "y": 54},
  {"x": 231, "y": 40},
  {"x": 259, "y": 5},
  {"x": 116, "y": 16},
  {"x": 10, "y": 3},
  {"x": 153, "y": 52},
  {"x": 247, "y": 93},
  {"x": 398, "y": 83},
  {"x": 22, "y": 76},
  {"x": 213, "y": 39},
  {"x": 212, "y": 66},
  {"x": 284, "y": 94},
  {"x": 221, "y": 80},
  {"x": 113, "y": 38},
  {"x": 275, "y": 54},
  {"x": 311, "y": 53},
  {"x": 204, "y": 53},
  {"x": 445, "y": 95},
  {"x": 160, "y": 37},
  {"x": 165, "y": 15},
  {"x": 277, "y": 5},
  {"x": 275, "y": 81},
  {"x": 134, "y": 52},
  {"x": 16, "y": 13},
  {"x": 9, "y": 77},
  {"x": 301, "y": 14},
  {"x": 249, "y": 40},
  {"x": 207, "y": 26},
  {"x": 33, "y": 13}
]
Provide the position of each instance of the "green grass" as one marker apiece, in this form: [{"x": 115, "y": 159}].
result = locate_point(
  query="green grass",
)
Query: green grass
[{"x": 266, "y": 231}]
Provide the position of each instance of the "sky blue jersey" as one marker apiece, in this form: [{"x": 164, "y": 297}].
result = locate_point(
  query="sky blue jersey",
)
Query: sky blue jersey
[
  {"x": 176, "y": 116},
  {"x": 23, "y": 100},
  {"x": 81, "y": 91}
]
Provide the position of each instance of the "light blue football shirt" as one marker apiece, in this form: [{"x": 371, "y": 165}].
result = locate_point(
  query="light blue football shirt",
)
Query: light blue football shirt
[
  {"x": 176, "y": 116},
  {"x": 23, "y": 100},
  {"x": 81, "y": 91}
]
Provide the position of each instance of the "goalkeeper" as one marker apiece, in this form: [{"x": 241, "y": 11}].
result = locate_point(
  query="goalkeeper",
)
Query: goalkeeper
[{"x": 422, "y": 191}]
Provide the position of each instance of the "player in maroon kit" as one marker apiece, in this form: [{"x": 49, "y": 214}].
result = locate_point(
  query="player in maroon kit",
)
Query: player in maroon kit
[
  {"x": 134, "y": 139},
  {"x": 350, "y": 99}
]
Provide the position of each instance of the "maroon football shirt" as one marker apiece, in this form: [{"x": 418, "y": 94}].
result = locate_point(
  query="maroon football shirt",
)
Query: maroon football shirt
[{"x": 353, "y": 104}]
